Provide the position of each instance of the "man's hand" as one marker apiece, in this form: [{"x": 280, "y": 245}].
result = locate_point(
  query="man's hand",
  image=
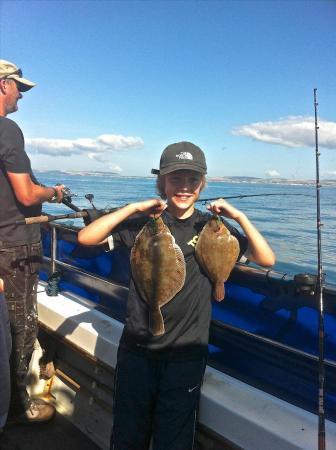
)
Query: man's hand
[{"x": 59, "y": 192}]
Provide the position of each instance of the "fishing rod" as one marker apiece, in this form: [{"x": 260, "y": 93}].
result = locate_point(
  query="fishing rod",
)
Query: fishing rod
[
  {"x": 67, "y": 197},
  {"x": 49, "y": 218},
  {"x": 319, "y": 297},
  {"x": 67, "y": 201},
  {"x": 43, "y": 218},
  {"x": 94, "y": 213},
  {"x": 247, "y": 195}
]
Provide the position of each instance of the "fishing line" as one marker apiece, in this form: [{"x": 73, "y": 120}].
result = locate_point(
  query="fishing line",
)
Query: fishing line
[{"x": 205, "y": 200}]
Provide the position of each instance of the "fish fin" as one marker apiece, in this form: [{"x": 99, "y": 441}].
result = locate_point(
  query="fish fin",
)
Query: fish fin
[
  {"x": 219, "y": 291},
  {"x": 156, "y": 324}
]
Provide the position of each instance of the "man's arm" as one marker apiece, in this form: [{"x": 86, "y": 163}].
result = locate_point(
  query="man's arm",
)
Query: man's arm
[{"x": 29, "y": 193}]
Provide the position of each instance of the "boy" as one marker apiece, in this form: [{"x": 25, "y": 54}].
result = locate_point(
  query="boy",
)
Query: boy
[{"x": 158, "y": 378}]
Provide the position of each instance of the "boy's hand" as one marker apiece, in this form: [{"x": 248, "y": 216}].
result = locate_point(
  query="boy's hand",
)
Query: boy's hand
[
  {"x": 153, "y": 207},
  {"x": 223, "y": 208}
]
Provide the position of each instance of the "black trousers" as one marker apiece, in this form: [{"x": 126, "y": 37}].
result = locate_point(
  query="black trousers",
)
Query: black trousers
[
  {"x": 19, "y": 267},
  {"x": 155, "y": 398}
]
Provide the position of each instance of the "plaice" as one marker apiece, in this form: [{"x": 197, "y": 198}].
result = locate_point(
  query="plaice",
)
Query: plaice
[
  {"x": 217, "y": 252},
  {"x": 158, "y": 269}
]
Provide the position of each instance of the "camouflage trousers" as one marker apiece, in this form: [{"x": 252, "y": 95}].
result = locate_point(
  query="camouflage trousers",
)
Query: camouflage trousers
[
  {"x": 5, "y": 350},
  {"x": 19, "y": 268}
]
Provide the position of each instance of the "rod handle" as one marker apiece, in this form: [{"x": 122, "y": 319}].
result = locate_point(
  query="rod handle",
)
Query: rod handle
[{"x": 31, "y": 220}]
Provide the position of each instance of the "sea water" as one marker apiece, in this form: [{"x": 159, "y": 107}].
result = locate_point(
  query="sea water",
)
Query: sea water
[{"x": 288, "y": 222}]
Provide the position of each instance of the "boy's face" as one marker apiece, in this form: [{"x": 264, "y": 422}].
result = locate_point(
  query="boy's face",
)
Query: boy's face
[{"x": 182, "y": 189}]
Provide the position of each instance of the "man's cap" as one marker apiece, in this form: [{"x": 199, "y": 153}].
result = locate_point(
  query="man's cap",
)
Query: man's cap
[
  {"x": 181, "y": 156},
  {"x": 11, "y": 71}
]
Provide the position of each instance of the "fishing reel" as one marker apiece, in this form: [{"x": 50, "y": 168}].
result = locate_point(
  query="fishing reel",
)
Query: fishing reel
[
  {"x": 94, "y": 213},
  {"x": 305, "y": 283},
  {"x": 90, "y": 198},
  {"x": 67, "y": 193}
]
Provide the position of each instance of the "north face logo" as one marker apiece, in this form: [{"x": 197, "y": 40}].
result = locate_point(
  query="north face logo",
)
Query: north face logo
[{"x": 184, "y": 155}]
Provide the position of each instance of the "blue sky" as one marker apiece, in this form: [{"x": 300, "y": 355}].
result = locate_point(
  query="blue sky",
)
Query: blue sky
[{"x": 120, "y": 80}]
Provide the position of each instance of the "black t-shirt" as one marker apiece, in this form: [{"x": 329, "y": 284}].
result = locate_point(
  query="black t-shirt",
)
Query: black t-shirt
[
  {"x": 13, "y": 158},
  {"x": 187, "y": 315}
]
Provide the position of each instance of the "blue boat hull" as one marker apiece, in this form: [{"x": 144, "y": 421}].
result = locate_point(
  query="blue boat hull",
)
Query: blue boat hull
[{"x": 265, "y": 333}]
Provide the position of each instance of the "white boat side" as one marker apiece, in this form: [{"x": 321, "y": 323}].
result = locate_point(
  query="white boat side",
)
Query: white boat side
[{"x": 243, "y": 415}]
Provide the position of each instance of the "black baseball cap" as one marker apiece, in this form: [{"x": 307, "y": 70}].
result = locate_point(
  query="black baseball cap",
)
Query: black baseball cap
[{"x": 181, "y": 156}]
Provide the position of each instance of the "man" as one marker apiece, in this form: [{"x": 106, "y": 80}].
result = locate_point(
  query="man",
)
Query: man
[{"x": 20, "y": 249}]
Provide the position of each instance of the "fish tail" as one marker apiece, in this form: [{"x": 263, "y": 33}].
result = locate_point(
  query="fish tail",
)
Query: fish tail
[
  {"x": 219, "y": 291},
  {"x": 156, "y": 324}
]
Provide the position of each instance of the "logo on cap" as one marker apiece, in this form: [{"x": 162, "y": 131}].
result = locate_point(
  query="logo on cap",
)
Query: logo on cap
[{"x": 184, "y": 155}]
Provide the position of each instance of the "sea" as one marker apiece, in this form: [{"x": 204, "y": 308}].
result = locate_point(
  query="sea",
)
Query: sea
[{"x": 288, "y": 222}]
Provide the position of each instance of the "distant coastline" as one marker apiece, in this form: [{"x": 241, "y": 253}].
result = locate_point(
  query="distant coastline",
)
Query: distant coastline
[{"x": 233, "y": 179}]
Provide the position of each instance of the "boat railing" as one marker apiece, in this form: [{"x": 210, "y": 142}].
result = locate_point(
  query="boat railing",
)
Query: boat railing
[
  {"x": 268, "y": 293},
  {"x": 260, "y": 280}
]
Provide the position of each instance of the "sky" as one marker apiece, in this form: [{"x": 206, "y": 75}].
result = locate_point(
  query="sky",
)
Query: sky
[{"x": 118, "y": 81}]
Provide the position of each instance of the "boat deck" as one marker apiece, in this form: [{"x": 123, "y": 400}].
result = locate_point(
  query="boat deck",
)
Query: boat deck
[
  {"x": 61, "y": 433},
  {"x": 234, "y": 414},
  {"x": 53, "y": 435}
]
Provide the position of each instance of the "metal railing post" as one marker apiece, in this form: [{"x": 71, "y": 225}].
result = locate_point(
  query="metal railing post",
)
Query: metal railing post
[
  {"x": 53, "y": 249},
  {"x": 52, "y": 288}
]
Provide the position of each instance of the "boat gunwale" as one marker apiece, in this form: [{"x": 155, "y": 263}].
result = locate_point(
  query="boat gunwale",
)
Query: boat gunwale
[{"x": 105, "y": 282}]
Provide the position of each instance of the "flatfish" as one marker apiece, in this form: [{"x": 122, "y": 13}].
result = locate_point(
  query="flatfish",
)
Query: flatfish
[
  {"x": 158, "y": 269},
  {"x": 217, "y": 252}
]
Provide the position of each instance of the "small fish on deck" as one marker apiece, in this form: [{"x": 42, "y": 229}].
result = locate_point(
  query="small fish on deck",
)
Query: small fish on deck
[
  {"x": 217, "y": 252},
  {"x": 158, "y": 269}
]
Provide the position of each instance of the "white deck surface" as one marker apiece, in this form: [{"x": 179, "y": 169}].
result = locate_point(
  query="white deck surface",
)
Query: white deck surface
[{"x": 248, "y": 417}]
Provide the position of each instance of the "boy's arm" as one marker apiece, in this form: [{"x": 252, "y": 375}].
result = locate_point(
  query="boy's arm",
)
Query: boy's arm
[
  {"x": 98, "y": 231},
  {"x": 258, "y": 249}
]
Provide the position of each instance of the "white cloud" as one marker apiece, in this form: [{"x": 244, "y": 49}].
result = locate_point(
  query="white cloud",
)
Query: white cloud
[
  {"x": 52, "y": 147},
  {"x": 115, "y": 168},
  {"x": 292, "y": 131},
  {"x": 104, "y": 144},
  {"x": 331, "y": 173},
  {"x": 272, "y": 173},
  {"x": 96, "y": 157},
  {"x": 100, "y": 158},
  {"x": 118, "y": 142}
]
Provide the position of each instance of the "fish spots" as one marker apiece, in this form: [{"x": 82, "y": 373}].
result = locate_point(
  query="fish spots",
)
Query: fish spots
[
  {"x": 159, "y": 273},
  {"x": 217, "y": 252}
]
